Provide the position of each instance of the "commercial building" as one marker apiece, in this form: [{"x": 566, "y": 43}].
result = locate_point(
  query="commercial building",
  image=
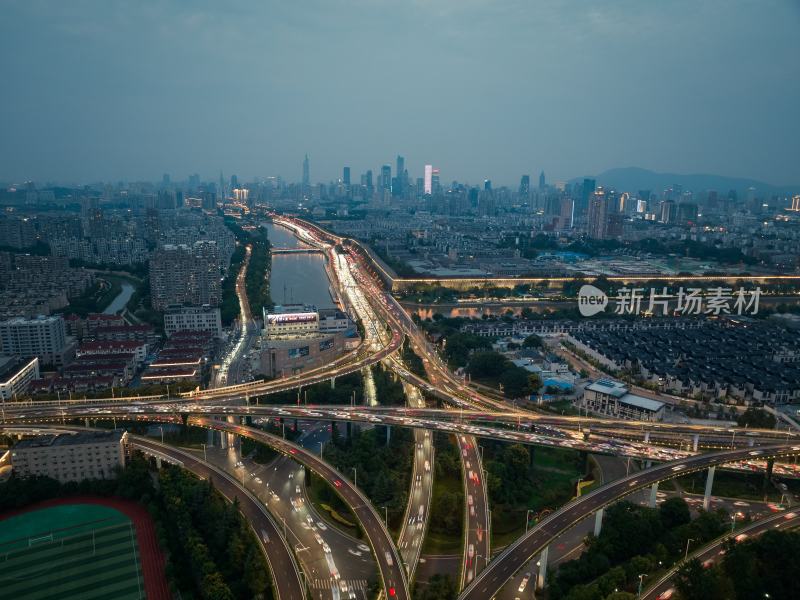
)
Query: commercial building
[
  {"x": 44, "y": 338},
  {"x": 16, "y": 376},
  {"x": 290, "y": 321},
  {"x": 611, "y": 398},
  {"x": 192, "y": 318},
  {"x": 71, "y": 457}
]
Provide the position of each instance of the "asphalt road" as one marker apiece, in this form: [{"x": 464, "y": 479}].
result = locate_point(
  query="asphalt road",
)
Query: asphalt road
[
  {"x": 285, "y": 575},
  {"x": 392, "y": 572},
  {"x": 492, "y": 579}
]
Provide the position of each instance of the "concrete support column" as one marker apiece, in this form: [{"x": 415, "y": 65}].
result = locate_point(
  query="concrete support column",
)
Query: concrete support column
[
  {"x": 158, "y": 462},
  {"x": 542, "y": 574},
  {"x": 86, "y": 422},
  {"x": 695, "y": 442},
  {"x": 751, "y": 442},
  {"x": 648, "y": 464},
  {"x": 653, "y": 495},
  {"x": 598, "y": 521},
  {"x": 388, "y": 434},
  {"x": 709, "y": 485},
  {"x": 333, "y": 383},
  {"x": 646, "y": 436}
]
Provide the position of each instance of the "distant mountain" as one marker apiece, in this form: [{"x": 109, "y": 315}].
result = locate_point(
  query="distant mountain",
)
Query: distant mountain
[{"x": 632, "y": 179}]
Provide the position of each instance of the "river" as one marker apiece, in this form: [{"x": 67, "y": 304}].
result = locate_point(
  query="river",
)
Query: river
[
  {"x": 297, "y": 278},
  {"x": 121, "y": 299}
]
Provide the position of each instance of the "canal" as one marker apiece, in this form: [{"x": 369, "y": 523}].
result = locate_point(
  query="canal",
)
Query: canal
[{"x": 297, "y": 278}]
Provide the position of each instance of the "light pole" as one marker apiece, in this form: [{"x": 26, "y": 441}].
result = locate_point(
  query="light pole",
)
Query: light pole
[
  {"x": 355, "y": 477},
  {"x": 161, "y": 427},
  {"x": 641, "y": 578},
  {"x": 527, "y": 519},
  {"x": 733, "y": 522},
  {"x": 386, "y": 516},
  {"x": 686, "y": 554}
]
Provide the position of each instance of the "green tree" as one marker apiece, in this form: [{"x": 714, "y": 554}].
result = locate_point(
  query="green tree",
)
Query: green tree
[{"x": 674, "y": 512}]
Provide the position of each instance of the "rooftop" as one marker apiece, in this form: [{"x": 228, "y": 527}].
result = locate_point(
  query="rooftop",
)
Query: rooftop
[{"x": 71, "y": 439}]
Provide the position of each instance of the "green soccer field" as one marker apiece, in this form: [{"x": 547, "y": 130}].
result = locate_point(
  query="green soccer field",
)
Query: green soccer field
[{"x": 80, "y": 551}]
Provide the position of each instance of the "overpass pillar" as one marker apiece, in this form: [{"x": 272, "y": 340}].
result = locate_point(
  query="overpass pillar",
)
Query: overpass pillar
[
  {"x": 158, "y": 462},
  {"x": 695, "y": 442},
  {"x": 709, "y": 485},
  {"x": 648, "y": 464},
  {"x": 598, "y": 521},
  {"x": 751, "y": 442},
  {"x": 768, "y": 472},
  {"x": 646, "y": 436},
  {"x": 388, "y": 434},
  {"x": 653, "y": 495},
  {"x": 86, "y": 422},
  {"x": 333, "y": 383},
  {"x": 541, "y": 575}
]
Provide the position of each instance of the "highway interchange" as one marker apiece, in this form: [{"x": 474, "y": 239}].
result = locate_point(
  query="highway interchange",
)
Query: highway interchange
[{"x": 386, "y": 325}]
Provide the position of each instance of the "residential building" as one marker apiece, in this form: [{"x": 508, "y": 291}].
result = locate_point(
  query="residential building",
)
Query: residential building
[
  {"x": 71, "y": 457},
  {"x": 16, "y": 376},
  {"x": 192, "y": 318},
  {"x": 185, "y": 275},
  {"x": 42, "y": 337}
]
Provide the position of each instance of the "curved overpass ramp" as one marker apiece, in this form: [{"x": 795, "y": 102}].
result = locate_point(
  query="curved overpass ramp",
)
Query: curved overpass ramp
[
  {"x": 500, "y": 570},
  {"x": 393, "y": 575}
]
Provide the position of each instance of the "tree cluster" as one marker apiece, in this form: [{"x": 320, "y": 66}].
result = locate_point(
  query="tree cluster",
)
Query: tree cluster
[{"x": 516, "y": 381}]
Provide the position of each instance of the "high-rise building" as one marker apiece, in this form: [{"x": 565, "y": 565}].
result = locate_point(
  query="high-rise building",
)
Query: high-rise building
[
  {"x": 400, "y": 176},
  {"x": 597, "y": 222},
  {"x": 525, "y": 186},
  {"x": 586, "y": 193},
  {"x": 436, "y": 186},
  {"x": 487, "y": 185},
  {"x": 669, "y": 212},
  {"x": 368, "y": 179},
  {"x": 183, "y": 274},
  {"x": 192, "y": 318},
  {"x": 541, "y": 180},
  {"x": 565, "y": 216},
  {"x": 428, "y": 184},
  {"x": 346, "y": 175},
  {"x": 43, "y": 337},
  {"x": 386, "y": 177},
  {"x": 306, "y": 172}
]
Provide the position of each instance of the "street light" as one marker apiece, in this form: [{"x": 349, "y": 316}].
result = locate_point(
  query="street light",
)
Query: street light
[
  {"x": 686, "y": 554},
  {"x": 527, "y": 518},
  {"x": 355, "y": 477},
  {"x": 641, "y": 578}
]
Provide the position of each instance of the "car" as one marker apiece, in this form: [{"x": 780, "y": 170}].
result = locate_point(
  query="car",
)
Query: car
[
  {"x": 322, "y": 526},
  {"x": 741, "y": 537},
  {"x": 337, "y": 483},
  {"x": 524, "y": 583},
  {"x": 678, "y": 467},
  {"x": 471, "y": 551},
  {"x": 707, "y": 564},
  {"x": 297, "y": 489},
  {"x": 471, "y": 511},
  {"x": 666, "y": 594}
]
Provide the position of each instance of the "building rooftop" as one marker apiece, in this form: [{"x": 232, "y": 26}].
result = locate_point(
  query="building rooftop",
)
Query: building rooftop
[
  {"x": 71, "y": 439},
  {"x": 640, "y": 402},
  {"x": 608, "y": 386}
]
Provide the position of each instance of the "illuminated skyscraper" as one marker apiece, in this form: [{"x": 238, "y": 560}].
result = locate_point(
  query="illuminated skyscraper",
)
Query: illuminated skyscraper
[
  {"x": 598, "y": 215},
  {"x": 428, "y": 180},
  {"x": 386, "y": 177},
  {"x": 525, "y": 186}
]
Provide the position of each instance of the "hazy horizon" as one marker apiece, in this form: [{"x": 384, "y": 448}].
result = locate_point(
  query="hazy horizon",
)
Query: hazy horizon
[{"x": 106, "y": 90}]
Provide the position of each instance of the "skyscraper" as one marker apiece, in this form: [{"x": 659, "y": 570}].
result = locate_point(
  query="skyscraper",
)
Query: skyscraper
[
  {"x": 306, "y": 172},
  {"x": 386, "y": 177},
  {"x": 346, "y": 175},
  {"x": 598, "y": 215},
  {"x": 428, "y": 183},
  {"x": 525, "y": 186},
  {"x": 586, "y": 193},
  {"x": 400, "y": 175},
  {"x": 541, "y": 180},
  {"x": 487, "y": 185}
]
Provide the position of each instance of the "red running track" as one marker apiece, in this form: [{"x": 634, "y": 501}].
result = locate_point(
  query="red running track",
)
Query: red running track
[{"x": 150, "y": 555}]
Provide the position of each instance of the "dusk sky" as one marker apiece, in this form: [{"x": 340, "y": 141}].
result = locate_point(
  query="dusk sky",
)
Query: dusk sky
[{"x": 128, "y": 90}]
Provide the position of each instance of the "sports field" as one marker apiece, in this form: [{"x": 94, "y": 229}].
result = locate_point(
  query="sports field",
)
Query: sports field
[{"x": 70, "y": 551}]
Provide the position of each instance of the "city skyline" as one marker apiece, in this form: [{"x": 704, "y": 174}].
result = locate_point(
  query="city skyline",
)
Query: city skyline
[{"x": 118, "y": 92}]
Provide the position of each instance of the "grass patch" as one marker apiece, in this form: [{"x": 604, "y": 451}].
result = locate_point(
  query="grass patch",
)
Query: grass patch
[
  {"x": 732, "y": 485},
  {"x": 332, "y": 508},
  {"x": 446, "y": 526}
]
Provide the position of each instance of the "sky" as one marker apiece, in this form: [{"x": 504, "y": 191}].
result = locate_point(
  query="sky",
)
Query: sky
[{"x": 128, "y": 90}]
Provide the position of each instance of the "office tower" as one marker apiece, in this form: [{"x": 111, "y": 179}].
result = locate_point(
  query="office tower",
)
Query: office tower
[
  {"x": 795, "y": 203},
  {"x": 386, "y": 177},
  {"x": 565, "y": 216},
  {"x": 165, "y": 179},
  {"x": 541, "y": 180},
  {"x": 582, "y": 207},
  {"x": 487, "y": 185},
  {"x": 525, "y": 186},
  {"x": 368, "y": 179},
  {"x": 221, "y": 187},
  {"x": 194, "y": 181},
  {"x": 346, "y": 176},
  {"x": 687, "y": 213},
  {"x": 669, "y": 212},
  {"x": 597, "y": 224},
  {"x": 42, "y": 337},
  {"x": 183, "y": 274},
  {"x": 306, "y": 172},
  {"x": 428, "y": 183},
  {"x": 401, "y": 177},
  {"x": 436, "y": 187}
]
